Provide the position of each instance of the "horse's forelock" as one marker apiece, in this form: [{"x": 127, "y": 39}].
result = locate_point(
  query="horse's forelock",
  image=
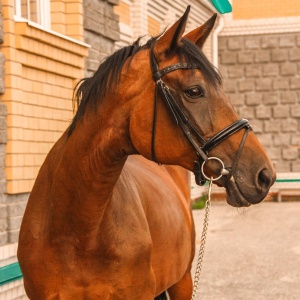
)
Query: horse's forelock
[{"x": 194, "y": 56}]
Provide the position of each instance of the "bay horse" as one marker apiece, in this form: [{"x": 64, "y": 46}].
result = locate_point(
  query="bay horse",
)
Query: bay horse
[{"x": 109, "y": 216}]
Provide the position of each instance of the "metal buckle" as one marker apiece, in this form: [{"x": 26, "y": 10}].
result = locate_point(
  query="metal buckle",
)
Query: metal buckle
[{"x": 222, "y": 172}]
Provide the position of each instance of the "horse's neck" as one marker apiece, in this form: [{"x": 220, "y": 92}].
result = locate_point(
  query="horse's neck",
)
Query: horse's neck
[{"x": 91, "y": 162}]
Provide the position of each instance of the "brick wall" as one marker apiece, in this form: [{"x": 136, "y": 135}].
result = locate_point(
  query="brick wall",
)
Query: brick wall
[
  {"x": 35, "y": 106},
  {"x": 261, "y": 75},
  {"x": 101, "y": 30}
]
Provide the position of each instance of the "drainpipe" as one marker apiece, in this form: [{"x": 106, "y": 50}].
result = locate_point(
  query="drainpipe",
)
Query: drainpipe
[{"x": 215, "y": 42}]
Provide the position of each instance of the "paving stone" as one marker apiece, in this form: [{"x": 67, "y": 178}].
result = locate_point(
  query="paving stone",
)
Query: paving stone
[
  {"x": 253, "y": 70},
  {"x": 294, "y": 54},
  {"x": 288, "y": 69},
  {"x": 271, "y": 63},
  {"x": 290, "y": 125},
  {"x": 295, "y": 166},
  {"x": 287, "y": 41},
  {"x": 263, "y": 84},
  {"x": 281, "y": 139},
  {"x": 281, "y": 83},
  {"x": 270, "y": 98},
  {"x": 235, "y": 43},
  {"x": 295, "y": 83},
  {"x": 253, "y": 98},
  {"x": 252, "y": 43},
  {"x": 270, "y": 69},
  {"x": 279, "y": 55},
  {"x": 269, "y": 42},
  {"x": 290, "y": 153},
  {"x": 281, "y": 111},
  {"x": 245, "y": 57},
  {"x": 263, "y": 112},
  {"x": 248, "y": 250},
  {"x": 228, "y": 58},
  {"x": 272, "y": 126},
  {"x": 289, "y": 97},
  {"x": 262, "y": 56}
]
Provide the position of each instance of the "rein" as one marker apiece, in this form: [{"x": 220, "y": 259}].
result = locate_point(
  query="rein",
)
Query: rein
[{"x": 201, "y": 145}]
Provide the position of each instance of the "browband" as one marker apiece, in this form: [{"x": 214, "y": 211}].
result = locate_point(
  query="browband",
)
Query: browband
[
  {"x": 160, "y": 73},
  {"x": 157, "y": 74}
]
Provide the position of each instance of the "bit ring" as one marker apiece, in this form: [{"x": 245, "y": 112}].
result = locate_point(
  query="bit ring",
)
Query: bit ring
[{"x": 211, "y": 178}]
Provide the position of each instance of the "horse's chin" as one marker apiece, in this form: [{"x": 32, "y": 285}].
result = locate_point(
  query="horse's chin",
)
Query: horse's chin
[{"x": 234, "y": 196}]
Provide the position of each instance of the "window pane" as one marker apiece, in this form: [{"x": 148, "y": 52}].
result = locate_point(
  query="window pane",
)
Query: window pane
[
  {"x": 34, "y": 11},
  {"x": 24, "y": 9},
  {"x": 37, "y": 11}
]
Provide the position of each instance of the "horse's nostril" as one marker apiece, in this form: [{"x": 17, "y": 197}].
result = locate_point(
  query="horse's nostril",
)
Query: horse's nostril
[{"x": 265, "y": 178}]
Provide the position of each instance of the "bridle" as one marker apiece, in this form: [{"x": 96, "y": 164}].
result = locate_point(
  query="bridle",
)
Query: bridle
[{"x": 201, "y": 145}]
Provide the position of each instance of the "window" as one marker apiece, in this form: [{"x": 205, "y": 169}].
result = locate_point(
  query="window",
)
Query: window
[{"x": 37, "y": 11}]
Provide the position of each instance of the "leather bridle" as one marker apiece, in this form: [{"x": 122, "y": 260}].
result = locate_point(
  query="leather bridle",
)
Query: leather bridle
[{"x": 201, "y": 145}]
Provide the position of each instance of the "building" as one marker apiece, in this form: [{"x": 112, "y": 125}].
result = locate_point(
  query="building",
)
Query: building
[{"x": 259, "y": 59}]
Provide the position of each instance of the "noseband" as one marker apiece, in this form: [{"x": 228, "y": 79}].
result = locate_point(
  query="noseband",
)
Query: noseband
[{"x": 201, "y": 145}]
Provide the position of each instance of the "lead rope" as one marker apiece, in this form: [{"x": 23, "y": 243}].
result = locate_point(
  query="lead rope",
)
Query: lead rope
[
  {"x": 223, "y": 172},
  {"x": 203, "y": 241}
]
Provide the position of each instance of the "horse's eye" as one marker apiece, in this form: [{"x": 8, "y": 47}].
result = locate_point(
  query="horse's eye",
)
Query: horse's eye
[{"x": 194, "y": 92}]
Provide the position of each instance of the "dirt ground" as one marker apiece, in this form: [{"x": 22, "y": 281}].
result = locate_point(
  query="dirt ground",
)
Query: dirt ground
[{"x": 251, "y": 253}]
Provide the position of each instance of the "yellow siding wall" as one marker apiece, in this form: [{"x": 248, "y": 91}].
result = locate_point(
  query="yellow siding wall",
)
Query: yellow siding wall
[
  {"x": 123, "y": 11},
  {"x": 58, "y": 16},
  {"x": 67, "y": 17},
  {"x": 153, "y": 27},
  {"x": 256, "y": 9},
  {"x": 41, "y": 69}
]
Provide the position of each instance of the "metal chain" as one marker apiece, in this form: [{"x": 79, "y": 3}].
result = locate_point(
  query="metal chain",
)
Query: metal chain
[{"x": 202, "y": 242}]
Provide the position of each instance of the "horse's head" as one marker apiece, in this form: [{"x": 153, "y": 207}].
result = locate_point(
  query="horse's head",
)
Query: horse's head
[{"x": 181, "y": 116}]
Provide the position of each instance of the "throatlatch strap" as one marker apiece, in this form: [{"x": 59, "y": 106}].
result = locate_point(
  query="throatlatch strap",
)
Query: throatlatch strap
[{"x": 154, "y": 127}]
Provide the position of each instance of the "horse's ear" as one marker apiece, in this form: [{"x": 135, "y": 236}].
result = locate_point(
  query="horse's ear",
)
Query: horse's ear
[
  {"x": 170, "y": 40},
  {"x": 200, "y": 34}
]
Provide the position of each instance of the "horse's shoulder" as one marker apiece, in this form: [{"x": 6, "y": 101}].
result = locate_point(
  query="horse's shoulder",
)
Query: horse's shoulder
[
  {"x": 144, "y": 171},
  {"x": 148, "y": 179}
]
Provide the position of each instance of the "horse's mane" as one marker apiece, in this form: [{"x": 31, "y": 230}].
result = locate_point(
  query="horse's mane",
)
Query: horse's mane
[{"x": 88, "y": 91}]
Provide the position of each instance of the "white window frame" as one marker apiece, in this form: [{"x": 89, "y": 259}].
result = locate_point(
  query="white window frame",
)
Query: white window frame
[{"x": 43, "y": 13}]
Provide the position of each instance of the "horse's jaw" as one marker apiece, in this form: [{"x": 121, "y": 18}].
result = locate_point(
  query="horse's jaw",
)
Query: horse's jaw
[{"x": 233, "y": 195}]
